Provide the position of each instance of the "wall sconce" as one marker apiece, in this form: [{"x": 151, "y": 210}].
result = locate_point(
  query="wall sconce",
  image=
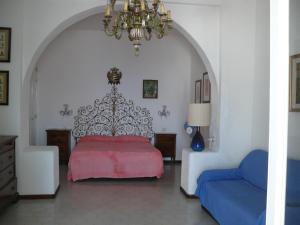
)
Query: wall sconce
[
  {"x": 164, "y": 112},
  {"x": 66, "y": 111}
]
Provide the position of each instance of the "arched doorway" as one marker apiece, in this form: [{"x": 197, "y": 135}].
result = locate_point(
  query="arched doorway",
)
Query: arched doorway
[{"x": 25, "y": 101}]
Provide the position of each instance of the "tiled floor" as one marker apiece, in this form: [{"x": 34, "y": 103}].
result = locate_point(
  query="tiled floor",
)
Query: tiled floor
[{"x": 111, "y": 202}]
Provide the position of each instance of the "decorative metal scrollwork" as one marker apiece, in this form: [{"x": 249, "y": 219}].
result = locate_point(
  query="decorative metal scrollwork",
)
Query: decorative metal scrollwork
[{"x": 113, "y": 116}]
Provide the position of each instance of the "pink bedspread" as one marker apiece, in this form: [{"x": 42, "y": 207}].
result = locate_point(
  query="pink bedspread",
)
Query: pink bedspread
[{"x": 114, "y": 157}]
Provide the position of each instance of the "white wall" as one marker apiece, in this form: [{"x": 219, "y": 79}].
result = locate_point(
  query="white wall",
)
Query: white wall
[
  {"x": 294, "y": 117},
  {"x": 260, "y": 110},
  {"x": 11, "y": 16},
  {"x": 238, "y": 19},
  {"x": 73, "y": 71}
]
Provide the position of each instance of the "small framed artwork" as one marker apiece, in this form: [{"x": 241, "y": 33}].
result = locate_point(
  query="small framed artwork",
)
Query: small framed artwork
[
  {"x": 5, "y": 44},
  {"x": 206, "y": 88},
  {"x": 4, "y": 84},
  {"x": 198, "y": 86},
  {"x": 150, "y": 88},
  {"x": 295, "y": 83}
]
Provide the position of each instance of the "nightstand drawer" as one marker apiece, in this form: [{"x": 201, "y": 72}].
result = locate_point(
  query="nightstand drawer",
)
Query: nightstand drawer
[
  {"x": 165, "y": 151},
  {"x": 61, "y": 139},
  {"x": 165, "y": 138},
  {"x": 165, "y": 146},
  {"x": 166, "y": 143},
  {"x": 55, "y": 139}
]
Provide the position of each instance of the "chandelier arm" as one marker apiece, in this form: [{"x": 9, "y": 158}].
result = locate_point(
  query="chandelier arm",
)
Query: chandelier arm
[
  {"x": 147, "y": 33},
  {"x": 118, "y": 33},
  {"x": 109, "y": 31}
]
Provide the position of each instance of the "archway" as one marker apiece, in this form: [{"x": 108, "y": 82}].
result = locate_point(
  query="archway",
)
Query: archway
[{"x": 24, "y": 139}]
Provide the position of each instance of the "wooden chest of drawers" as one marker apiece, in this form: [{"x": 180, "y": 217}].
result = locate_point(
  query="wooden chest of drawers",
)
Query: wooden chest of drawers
[
  {"x": 166, "y": 143},
  {"x": 61, "y": 139},
  {"x": 8, "y": 181}
]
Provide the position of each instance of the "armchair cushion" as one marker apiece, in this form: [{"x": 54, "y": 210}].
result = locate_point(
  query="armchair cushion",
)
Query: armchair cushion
[
  {"x": 234, "y": 202},
  {"x": 214, "y": 175}
]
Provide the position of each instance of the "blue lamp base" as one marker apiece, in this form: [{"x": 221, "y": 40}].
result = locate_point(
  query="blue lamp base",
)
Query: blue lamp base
[{"x": 197, "y": 142}]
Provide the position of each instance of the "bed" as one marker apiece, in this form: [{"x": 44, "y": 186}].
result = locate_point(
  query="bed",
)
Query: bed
[
  {"x": 113, "y": 139},
  {"x": 114, "y": 157}
]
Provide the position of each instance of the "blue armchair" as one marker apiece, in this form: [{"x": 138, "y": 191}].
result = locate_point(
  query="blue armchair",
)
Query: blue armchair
[{"x": 238, "y": 196}]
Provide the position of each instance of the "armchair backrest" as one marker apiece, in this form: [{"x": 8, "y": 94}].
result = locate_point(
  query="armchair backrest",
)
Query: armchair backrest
[
  {"x": 254, "y": 168},
  {"x": 293, "y": 183}
]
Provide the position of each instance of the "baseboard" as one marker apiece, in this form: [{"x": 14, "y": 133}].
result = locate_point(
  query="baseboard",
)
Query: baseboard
[
  {"x": 188, "y": 195},
  {"x": 30, "y": 197}
]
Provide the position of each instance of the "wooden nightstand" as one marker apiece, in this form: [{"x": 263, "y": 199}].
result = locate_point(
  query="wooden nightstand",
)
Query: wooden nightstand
[
  {"x": 166, "y": 143},
  {"x": 62, "y": 139}
]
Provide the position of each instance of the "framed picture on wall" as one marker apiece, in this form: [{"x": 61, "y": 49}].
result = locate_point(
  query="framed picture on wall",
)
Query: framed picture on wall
[
  {"x": 206, "y": 88},
  {"x": 295, "y": 83},
  {"x": 5, "y": 44},
  {"x": 150, "y": 88},
  {"x": 4, "y": 84},
  {"x": 198, "y": 86}
]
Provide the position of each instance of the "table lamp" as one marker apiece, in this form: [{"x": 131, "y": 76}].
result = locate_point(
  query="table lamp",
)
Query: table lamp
[{"x": 199, "y": 116}]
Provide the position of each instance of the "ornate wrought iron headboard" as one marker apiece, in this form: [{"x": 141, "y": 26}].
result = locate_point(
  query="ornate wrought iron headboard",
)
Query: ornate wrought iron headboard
[{"x": 114, "y": 115}]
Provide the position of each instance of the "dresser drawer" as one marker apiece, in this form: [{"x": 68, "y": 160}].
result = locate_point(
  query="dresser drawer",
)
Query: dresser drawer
[
  {"x": 6, "y": 159},
  {"x": 9, "y": 190},
  {"x": 8, "y": 184},
  {"x": 8, "y": 194},
  {"x": 6, "y": 175}
]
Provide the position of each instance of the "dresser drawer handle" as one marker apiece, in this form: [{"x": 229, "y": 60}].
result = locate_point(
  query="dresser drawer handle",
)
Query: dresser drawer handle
[
  {"x": 10, "y": 157},
  {"x": 10, "y": 172}
]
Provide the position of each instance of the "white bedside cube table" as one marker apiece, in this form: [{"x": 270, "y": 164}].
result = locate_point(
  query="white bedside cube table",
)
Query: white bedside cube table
[
  {"x": 38, "y": 172},
  {"x": 193, "y": 164}
]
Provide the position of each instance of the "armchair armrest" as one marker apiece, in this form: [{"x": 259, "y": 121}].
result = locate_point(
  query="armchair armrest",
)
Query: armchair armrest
[{"x": 214, "y": 175}]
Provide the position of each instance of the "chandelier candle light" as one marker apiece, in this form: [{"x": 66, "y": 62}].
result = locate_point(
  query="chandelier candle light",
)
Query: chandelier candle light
[{"x": 138, "y": 19}]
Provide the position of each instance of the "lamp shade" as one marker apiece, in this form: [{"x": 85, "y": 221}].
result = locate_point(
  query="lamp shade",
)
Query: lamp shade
[{"x": 199, "y": 115}]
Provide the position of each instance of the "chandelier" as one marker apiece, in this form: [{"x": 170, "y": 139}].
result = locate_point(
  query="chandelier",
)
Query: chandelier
[{"x": 138, "y": 19}]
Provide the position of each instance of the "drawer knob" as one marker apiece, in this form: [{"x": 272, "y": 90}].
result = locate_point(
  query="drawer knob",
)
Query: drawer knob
[
  {"x": 10, "y": 172},
  {"x": 10, "y": 157}
]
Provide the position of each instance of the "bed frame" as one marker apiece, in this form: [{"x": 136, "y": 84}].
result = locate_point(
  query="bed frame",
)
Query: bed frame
[{"x": 114, "y": 115}]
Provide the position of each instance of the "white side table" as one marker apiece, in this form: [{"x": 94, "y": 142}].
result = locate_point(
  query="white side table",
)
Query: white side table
[{"x": 193, "y": 164}]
